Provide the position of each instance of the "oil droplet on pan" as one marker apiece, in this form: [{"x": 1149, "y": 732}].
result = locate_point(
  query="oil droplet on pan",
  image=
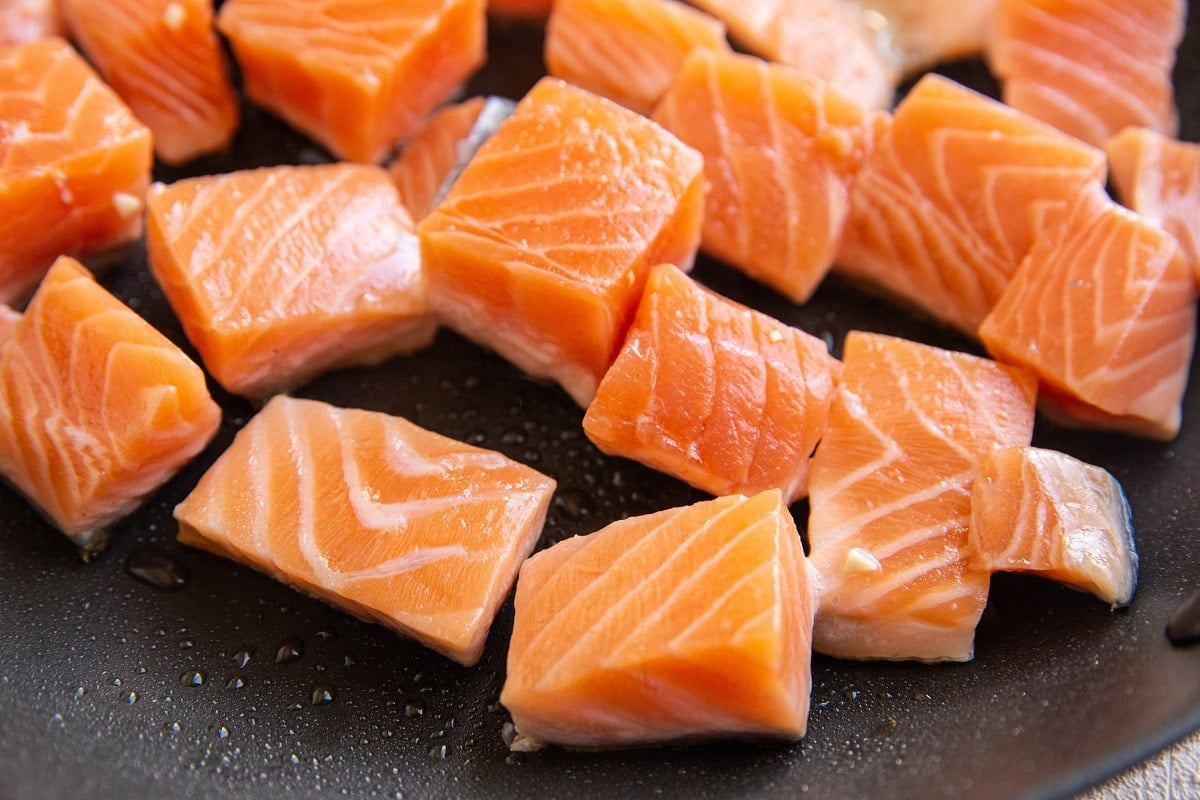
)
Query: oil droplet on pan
[{"x": 157, "y": 568}]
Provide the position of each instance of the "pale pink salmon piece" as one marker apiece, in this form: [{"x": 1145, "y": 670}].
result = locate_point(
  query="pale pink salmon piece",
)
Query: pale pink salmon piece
[
  {"x": 715, "y": 394},
  {"x": 1090, "y": 67},
  {"x": 282, "y": 273},
  {"x": 29, "y": 20},
  {"x": 955, "y": 192},
  {"x": 559, "y": 218},
  {"x": 627, "y": 50},
  {"x": 163, "y": 58},
  {"x": 97, "y": 408},
  {"x": 890, "y": 497},
  {"x": 1046, "y": 513},
  {"x": 1159, "y": 178},
  {"x": 781, "y": 153},
  {"x": 357, "y": 76},
  {"x": 390, "y": 522},
  {"x": 831, "y": 39},
  {"x": 923, "y": 33},
  {"x": 690, "y": 623},
  {"x": 74, "y": 164},
  {"x": 1103, "y": 310}
]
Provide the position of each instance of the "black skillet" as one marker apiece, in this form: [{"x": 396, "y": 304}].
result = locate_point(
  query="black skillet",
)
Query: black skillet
[{"x": 231, "y": 685}]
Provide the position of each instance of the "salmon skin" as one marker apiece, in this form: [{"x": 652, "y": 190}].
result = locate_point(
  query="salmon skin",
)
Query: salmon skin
[
  {"x": 163, "y": 58},
  {"x": 955, "y": 192},
  {"x": 74, "y": 165},
  {"x": 390, "y": 522},
  {"x": 688, "y": 624},
  {"x": 715, "y": 394},
  {"x": 1046, "y": 513},
  {"x": 1089, "y": 68},
  {"x": 781, "y": 153},
  {"x": 890, "y": 496},
  {"x": 560, "y": 216},
  {"x": 282, "y": 273},
  {"x": 120, "y": 408},
  {"x": 355, "y": 77},
  {"x": 1103, "y": 310}
]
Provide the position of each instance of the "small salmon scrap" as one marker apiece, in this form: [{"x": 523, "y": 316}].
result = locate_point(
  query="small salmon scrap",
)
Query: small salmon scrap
[
  {"x": 1089, "y": 68},
  {"x": 890, "y": 496},
  {"x": 29, "y": 20},
  {"x": 163, "y": 58},
  {"x": 687, "y": 624},
  {"x": 1159, "y": 178},
  {"x": 627, "y": 50},
  {"x": 1103, "y": 310},
  {"x": 831, "y": 39},
  {"x": 954, "y": 193},
  {"x": 375, "y": 515},
  {"x": 1046, "y": 513},
  {"x": 74, "y": 165},
  {"x": 279, "y": 274},
  {"x": 541, "y": 248},
  {"x": 97, "y": 408},
  {"x": 357, "y": 77},
  {"x": 781, "y": 153},
  {"x": 923, "y": 33},
  {"x": 715, "y": 394}
]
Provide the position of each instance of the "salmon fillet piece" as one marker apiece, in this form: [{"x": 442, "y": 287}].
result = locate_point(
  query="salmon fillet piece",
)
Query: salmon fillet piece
[
  {"x": 1103, "y": 310},
  {"x": 715, "y": 394},
  {"x": 890, "y": 496},
  {"x": 781, "y": 153},
  {"x": 356, "y": 76},
  {"x": 24, "y": 21},
  {"x": 279, "y": 274},
  {"x": 371, "y": 513},
  {"x": 1046, "y": 513},
  {"x": 627, "y": 50},
  {"x": 97, "y": 408},
  {"x": 1159, "y": 178},
  {"x": 163, "y": 58},
  {"x": 1089, "y": 67},
  {"x": 74, "y": 165},
  {"x": 559, "y": 217},
  {"x": 690, "y": 623},
  {"x": 954, "y": 194}
]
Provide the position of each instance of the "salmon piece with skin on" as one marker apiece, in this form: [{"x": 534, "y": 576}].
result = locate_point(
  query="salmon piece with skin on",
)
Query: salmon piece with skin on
[
  {"x": 163, "y": 58},
  {"x": 688, "y": 624},
  {"x": 74, "y": 165},
  {"x": 715, "y": 394},
  {"x": 356, "y": 76},
  {"x": 375, "y": 515},
  {"x": 1103, "y": 310},
  {"x": 890, "y": 496},
  {"x": 279, "y": 274},
  {"x": 97, "y": 408},
  {"x": 629, "y": 51},
  {"x": 541, "y": 248},
  {"x": 781, "y": 153}
]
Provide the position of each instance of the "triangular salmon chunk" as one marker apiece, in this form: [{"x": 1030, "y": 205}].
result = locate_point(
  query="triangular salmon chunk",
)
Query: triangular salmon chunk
[
  {"x": 689, "y": 623},
  {"x": 388, "y": 521}
]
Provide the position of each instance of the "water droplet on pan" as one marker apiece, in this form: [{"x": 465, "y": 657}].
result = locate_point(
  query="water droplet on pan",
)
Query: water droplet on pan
[
  {"x": 157, "y": 568},
  {"x": 289, "y": 651}
]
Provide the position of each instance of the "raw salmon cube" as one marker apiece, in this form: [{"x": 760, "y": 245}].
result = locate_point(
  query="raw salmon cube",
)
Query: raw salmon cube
[
  {"x": 355, "y": 76},
  {"x": 713, "y": 393},
  {"x": 542, "y": 246},
  {"x": 952, "y": 197},
  {"x": 1103, "y": 310},
  {"x": 74, "y": 164},
  {"x": 1046, "y": 513},
  {"x": 890, "y": 496},
  {"x": 390, "y": 522},
  {"x": 627, "y": 50},
  {"x": 97, "y": 408},
  {"x": 781, "y": 151},
  {"x": 163, "y": 58},
  {"x": 690, "y": 623},
  {"x": 281, "y": 273}
]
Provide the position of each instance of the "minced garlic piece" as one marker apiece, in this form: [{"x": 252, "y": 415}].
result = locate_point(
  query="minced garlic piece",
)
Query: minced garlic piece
[
  {"x": 859, "y": 560},
  {"x": 174, "y": 15},
  {"x": 126, "y": 204}
]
